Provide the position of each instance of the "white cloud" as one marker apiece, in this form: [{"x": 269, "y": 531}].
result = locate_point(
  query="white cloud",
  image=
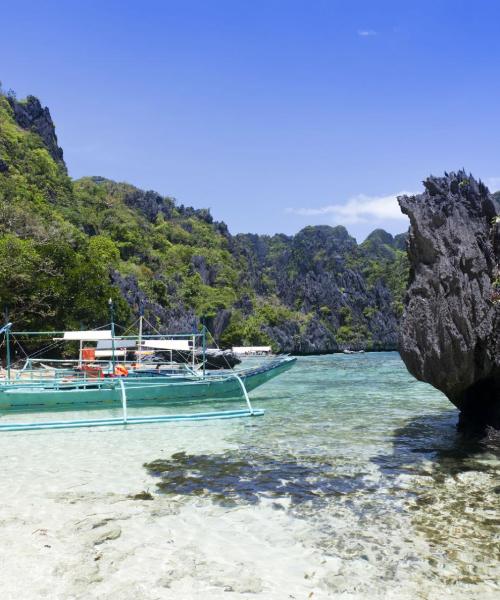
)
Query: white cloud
[
  {"x": 366, "y": 32},
  {"x": 359, "y": 209}
]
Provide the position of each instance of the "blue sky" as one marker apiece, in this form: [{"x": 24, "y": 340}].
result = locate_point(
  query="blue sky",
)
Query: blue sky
[{"x": 275, "y": 114}]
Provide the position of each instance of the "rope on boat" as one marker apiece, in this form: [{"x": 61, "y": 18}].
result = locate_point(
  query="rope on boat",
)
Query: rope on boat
[{"x": 230, "y": 367}]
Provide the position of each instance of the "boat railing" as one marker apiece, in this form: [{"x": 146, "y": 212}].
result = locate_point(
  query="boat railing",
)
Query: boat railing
[
  {"x": 75, "y": 367},
  {"x": 61, "y": 381}
]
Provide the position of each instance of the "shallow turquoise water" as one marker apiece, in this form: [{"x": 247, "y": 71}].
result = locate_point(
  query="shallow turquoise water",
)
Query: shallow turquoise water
[
  {"x": 372, "y": 460},
  {"x": 351, "y": 416},
  {"x": 354, "y": 485}
]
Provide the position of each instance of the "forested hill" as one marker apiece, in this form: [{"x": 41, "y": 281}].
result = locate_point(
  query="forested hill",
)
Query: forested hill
[{"x": 67, "y": 246}]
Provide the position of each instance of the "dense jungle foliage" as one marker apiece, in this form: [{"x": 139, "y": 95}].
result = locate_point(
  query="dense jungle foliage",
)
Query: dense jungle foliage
[{"x": 67, "y": 246}]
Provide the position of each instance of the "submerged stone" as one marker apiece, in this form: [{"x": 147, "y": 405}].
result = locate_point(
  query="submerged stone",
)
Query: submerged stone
[{"x": 144, "y": 495}]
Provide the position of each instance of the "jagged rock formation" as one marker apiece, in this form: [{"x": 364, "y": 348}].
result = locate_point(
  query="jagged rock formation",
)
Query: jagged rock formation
[
  {"x": 321, "y": 278},
  {"x": 450, "y": 331},
  {"x": 67, "y": 246},
  {"x": 329, "y": 276},
  {"x": 29, "y": 114}
]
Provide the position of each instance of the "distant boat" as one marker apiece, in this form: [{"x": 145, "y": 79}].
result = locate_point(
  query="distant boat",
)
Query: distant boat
[
  {"x": 252, "y": 350},
  {"x": 353, "y": 351}
]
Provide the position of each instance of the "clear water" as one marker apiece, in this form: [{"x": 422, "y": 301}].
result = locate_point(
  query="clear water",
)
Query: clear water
[
  {"x": 372, "y": 460},
  {"x": 353, "y": 485}
]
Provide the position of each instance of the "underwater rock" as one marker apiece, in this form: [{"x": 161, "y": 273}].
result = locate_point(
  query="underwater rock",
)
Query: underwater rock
[
  {"x": 106, "y": 535},
  {"x": 144, "y": 495},
  {"x": 450, "y": 330},
  {"x": 245, "y": 476}
]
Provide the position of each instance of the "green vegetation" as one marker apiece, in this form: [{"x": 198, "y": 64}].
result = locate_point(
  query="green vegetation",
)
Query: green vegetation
[
  {"x": 254, "y": 328},
  {"x": 51, "y": 273},
  {"x": 380, "y": 261},
  {"x": 67, "y": 246},
  {"x": 353, "y": 333},
  {"x": 60, "y": 240}
]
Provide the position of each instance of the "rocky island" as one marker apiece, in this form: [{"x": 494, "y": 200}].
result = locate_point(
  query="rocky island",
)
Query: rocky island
[
  {"x": 450, "y": 329},
  {"x": 67, "y": 245}
]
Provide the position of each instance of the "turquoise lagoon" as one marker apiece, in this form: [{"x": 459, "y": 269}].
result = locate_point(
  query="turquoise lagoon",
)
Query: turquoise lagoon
[{"x": 355, "y": 484}]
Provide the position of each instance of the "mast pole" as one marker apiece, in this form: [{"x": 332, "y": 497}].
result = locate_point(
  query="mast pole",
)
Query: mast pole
[
  {"x": 195, "y": 330},
  {"x": 141, "y": 316},
  {"x": 6, "y": 330},
  {"x": 194, "y": 350},
  {"x": 7, "y": 343},
  {"x": 204, "y": 340},
  {"x": 112, "y": 319}
]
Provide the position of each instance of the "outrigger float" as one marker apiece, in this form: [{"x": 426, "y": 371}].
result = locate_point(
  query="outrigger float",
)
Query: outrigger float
[{"x": 92, "y": 382}]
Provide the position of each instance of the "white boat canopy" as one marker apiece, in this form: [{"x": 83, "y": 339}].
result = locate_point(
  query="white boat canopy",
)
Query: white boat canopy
[
  {"x": 87, "y": 336},
  {"x": 252, "y": 349},
  {"x": 167, "y": 344}
]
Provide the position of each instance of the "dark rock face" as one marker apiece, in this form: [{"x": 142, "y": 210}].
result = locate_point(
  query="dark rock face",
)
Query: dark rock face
[
  {"x": 316, "y": 338},
  {"x": 208, "y": 273},
  {"x": 215, "y": 359},
  {"x": 173, "y": 319},
  {"x": 150, "y": 203},
  {"x": 320, "y": 272},
  {"x": 30, "y": 115},
  {"x": 450, "y": 331},
  {"x": 400, "y": 241},
  {"x": 216, "y": 325},
  {"x": 219, "y": 359}
]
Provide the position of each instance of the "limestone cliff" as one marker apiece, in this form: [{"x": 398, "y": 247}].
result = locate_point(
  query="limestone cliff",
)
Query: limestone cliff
[
  {"x": 450, "y": 330},
  {"x": 29, "y": 114},
  {"x": 67, "y": 246}
]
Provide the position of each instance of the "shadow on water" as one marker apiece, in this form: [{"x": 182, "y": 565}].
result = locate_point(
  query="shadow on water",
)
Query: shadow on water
[
  {"x": 428, "y": 445},
  {"x": 434, "y": 438},
  {"x": 247, "y": 476}
]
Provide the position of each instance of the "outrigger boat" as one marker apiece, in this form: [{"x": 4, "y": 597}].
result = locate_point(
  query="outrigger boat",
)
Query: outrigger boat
[{"x": 90, "y": 382}]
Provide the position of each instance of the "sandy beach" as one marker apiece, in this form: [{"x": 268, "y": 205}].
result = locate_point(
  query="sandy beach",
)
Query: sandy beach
[{"x": 70, "y": 528}]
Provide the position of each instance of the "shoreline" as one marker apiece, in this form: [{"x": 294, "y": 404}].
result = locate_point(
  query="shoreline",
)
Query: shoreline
[{"x": 371, "y": 351}]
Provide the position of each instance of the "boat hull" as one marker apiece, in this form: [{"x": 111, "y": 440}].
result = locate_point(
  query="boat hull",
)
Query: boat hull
[{"x": 139, "y": 391}]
